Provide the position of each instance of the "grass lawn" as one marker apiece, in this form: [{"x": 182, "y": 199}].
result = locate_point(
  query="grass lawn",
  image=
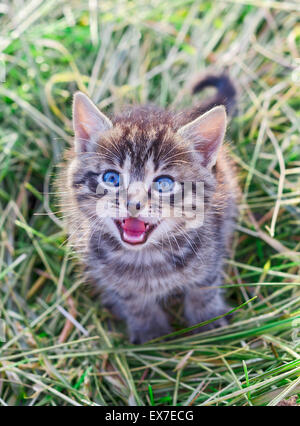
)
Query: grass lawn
[{"x": 61, "y": 347}]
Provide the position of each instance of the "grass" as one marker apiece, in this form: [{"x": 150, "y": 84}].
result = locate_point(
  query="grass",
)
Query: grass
[{"x": 60, "y": 348}]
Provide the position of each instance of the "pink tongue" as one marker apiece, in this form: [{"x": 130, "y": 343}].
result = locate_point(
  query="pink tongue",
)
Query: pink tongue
[
  {"x": 134, "y": 230},
  {"x": 133, "y": 225}
]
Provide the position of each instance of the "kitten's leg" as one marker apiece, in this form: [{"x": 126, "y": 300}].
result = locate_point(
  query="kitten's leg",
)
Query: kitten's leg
[
  {"x": 203, "y": 304},
  {"x": 112, "y": 301},
  {"x": 145, "y": 320}
]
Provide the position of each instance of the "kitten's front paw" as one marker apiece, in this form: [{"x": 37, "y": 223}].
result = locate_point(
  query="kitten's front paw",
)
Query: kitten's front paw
[{"x": 142, "y": 335}]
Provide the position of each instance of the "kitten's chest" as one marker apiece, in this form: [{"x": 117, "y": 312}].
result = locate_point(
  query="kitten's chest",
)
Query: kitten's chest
[
  {"x": 126, "y": 270},
  {"x": 157, "y": 272}
]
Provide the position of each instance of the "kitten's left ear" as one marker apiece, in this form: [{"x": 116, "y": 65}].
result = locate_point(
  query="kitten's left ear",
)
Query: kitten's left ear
[
  {"x": 88, "y": 123},
  {"x": 207, "y": 133}
]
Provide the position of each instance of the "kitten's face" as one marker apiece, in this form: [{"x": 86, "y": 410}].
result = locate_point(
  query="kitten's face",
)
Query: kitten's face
[{"x": 132, "y": 177}]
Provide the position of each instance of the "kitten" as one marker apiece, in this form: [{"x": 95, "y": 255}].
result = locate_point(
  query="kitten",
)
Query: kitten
[{"x": 115, "y": 185}]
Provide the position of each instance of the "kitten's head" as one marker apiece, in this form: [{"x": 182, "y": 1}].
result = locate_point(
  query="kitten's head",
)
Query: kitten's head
[{"x": 140, "y": 178}]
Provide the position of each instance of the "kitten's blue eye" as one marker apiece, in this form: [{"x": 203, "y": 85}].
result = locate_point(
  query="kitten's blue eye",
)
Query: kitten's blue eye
[
  {"x": 111, "y": 178},
  {"x": 164, "y": 184}
]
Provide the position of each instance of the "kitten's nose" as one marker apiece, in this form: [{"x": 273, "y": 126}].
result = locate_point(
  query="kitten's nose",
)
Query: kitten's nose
[{"x": 134, "y": 208}]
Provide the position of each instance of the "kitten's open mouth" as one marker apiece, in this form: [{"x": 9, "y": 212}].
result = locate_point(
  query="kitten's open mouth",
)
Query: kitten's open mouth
[{"x": 133, "y": 230}]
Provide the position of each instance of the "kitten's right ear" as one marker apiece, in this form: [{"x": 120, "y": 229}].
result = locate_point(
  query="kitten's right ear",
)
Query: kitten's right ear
[{"x": 88, "y": 123}]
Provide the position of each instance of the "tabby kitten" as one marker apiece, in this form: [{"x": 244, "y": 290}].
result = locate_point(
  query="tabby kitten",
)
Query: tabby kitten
[{"x": 114, "y": 186}]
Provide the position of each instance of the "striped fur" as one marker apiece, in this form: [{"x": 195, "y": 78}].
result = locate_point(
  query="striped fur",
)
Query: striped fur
[{"x": 135, "y": 281}]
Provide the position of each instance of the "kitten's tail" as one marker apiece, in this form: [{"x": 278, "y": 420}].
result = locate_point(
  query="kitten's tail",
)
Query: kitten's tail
[{"x": 225, "y": 94}]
